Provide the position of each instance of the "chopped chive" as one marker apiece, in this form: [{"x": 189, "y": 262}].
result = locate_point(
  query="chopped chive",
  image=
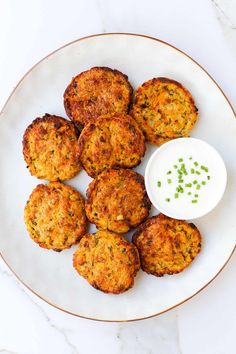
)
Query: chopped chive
[
  {"x": 180, "y": 172},
  {"x": 169, "y": 181},
  {"x": 188, "y": 185},
  {"x": 196, "y": 195},
  {"x": 194, "y": 201},
  {"x": 176, "y": 195},
  {"x": 181, "y": 160},
  {"x": 203, "y": 183},
  {"x": 195, "y": 181},
  {"x": 179, "y": 189},
  {"x": 208, "y": 177},
  {"x": 159, "y": 184},
  {"x": 190, "y": 158},
  {"x": 196, "y": 163},
  {"x": 189, "y": 193},
  {"x": 204, "y": 168},
  {"x": 169, "y": 172},
  {"x": 167, "y": 200},
  {"x": 197, "y": 172},
  {"x": 181, "y": 181},
  {"x": 192, "y": 170},
  {"x": 183, "y": 169},
  {"x": 198, "y": 186},
  {"x": 175, "y": 166}
]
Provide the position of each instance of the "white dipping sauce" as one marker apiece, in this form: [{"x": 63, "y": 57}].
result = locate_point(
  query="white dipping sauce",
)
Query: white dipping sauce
[{"x": 190, "y": 150}]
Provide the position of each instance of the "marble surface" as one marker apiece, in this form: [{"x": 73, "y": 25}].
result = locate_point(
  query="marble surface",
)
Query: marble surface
[{"x": 206, "y": 31}]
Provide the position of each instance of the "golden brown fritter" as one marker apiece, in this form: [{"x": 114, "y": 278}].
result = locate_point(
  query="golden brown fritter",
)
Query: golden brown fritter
[
  {"x": 50, "y": 148},
  {"x": 117, "y": 200},
  {"x": 107, "y": 261},
  {"x": 55, "y": 216},
  {"x": 111, "y": 141},
  {"x": 166, "y": 245},
  {"x": 96, "y": 92},
  {"x": 164, "y": 109}
]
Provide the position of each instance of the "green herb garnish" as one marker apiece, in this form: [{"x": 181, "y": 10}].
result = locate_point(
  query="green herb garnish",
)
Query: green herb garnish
[
  {"x": 182, "y": 171},
  {"x": 204, "y": 168}
]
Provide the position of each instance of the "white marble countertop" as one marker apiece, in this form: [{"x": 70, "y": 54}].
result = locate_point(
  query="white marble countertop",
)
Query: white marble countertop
[{"x": 206, "y": 30}]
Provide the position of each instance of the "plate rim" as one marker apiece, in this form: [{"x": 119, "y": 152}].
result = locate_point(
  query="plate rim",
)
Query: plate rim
[{"x": 1, "y": 113}]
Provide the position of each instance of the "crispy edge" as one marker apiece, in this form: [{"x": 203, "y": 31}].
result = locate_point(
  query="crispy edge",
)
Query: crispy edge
[
  {"x": 167, "y": 81},
  {"x": 51, "y": 119},
  {"x": 148, "y": 223},
  {"x": 70, "y": 88},
  {"x": 136, "y": 264},
  {"x": 91, "y": 126},
  {"x": 157, "y": 139},
  {"x": 131, "y": 174},
  {"x": 84, "y": 224}
]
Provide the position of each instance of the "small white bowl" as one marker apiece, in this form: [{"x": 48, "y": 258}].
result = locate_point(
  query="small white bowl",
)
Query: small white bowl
[{"x": 206, "y": 188}]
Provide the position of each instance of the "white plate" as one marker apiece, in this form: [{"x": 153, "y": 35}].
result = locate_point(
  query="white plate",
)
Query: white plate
[{"x": 51, "y": 275}]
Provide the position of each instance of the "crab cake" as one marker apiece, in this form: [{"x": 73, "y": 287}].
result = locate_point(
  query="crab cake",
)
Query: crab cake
[
  {"x": 164, "y": 109},
  {"x": 117, "y": 200},
  {"x": 113, "y": 140},
  {"x": 96, "y": 92},
  {"x": 50, "y": 148},
  {"x": 107, "y": 261},
  {"x": 55, "y": 216},
  {"x": 166, "y": 245}
]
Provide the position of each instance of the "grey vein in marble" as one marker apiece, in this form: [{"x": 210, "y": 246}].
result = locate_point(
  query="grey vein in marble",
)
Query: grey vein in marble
[
  {"x": 222, "y": 15},
  {"x": 62, "y": 331},
  {"x": 160, "y": 336},
  {"x": 226, "y": 15}
]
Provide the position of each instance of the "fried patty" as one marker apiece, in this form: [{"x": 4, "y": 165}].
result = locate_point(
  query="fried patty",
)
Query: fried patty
[
  {"x": 164, "y": 109},
  {"x": 117, "y": 200},
  {"x": 55, "y": 216},
  {"x": 111, "y": 141},
  {"x": 96, "y": 92},
  {"x": 107, "y": 261},
  {"x": 166, "y": 245},
  {"x": 50, "y": 148}
]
